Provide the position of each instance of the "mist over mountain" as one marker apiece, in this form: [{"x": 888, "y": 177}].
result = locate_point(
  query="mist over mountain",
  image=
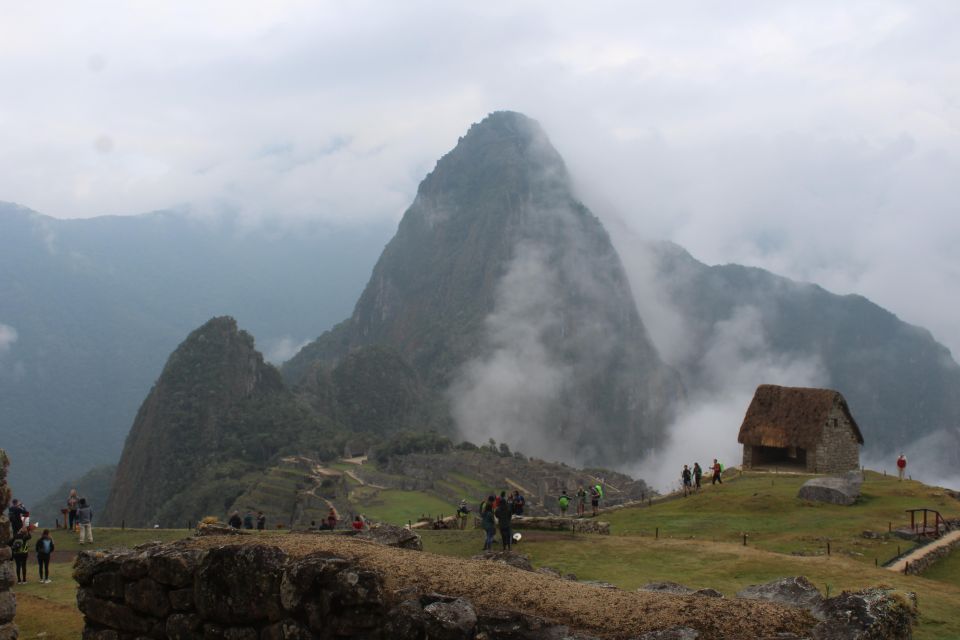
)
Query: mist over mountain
[
  {"x": 504, "y": 293},
  {"x": 90, "y": 309}
]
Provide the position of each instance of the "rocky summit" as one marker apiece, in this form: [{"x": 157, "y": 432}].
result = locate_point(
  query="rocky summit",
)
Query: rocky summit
[{"x": 506, "y": 297}]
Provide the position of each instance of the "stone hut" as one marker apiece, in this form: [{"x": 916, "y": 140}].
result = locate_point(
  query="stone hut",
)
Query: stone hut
[{"x": 809, "y": 429}]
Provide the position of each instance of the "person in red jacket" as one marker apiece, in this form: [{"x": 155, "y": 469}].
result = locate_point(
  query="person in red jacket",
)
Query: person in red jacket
[{"x": 901, "y": 466}]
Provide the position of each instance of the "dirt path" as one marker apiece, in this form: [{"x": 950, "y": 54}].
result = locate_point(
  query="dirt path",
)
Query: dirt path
[
  {"x": 611, "y": 613},
  {"x": 951, "y": 538}
]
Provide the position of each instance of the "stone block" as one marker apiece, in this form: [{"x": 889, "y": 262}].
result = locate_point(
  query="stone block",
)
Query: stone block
[
  {"x": 240, "y": 584},
  {"x": 8, "y": 607},
  {"x": 111, "y": 614},
  {"x": 182, "y": 599},
  {"x": 7, "y": 576},
  {"x": 6, "y": 553},
  {"x": 9, "y": 631},
  {"x": 288, "y": 629},
  {"x": 842, "y": 490},
  {"x": 108, "y": 585},
  {"x": 450, "y": 620},
  {"x": 184, "y": 626},
  {"x": 147, "y": 596}
]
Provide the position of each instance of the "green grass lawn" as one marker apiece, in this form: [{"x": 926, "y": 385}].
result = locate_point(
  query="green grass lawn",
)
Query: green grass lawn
[
  {"x": 765, "y": 507},
  {"x": 399, "y": 507}
]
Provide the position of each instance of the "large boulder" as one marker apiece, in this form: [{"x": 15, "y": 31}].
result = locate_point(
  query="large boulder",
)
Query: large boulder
[
  {"x": 795, "y": 592},
  {"x": 455, "y": 620},
  {"x": 843, "y": 490},
  {"x": 870, "y": 614}
]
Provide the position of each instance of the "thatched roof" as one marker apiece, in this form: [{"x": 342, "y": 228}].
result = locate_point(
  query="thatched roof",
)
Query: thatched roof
[{"x": 791, "y": 416}]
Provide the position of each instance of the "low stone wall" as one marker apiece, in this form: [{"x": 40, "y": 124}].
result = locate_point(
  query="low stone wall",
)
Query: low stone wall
[
  {"x": 257, "y": 592},
  {"x": 577, "y": 525},
  {"x": 8, "y": 603},
  {"x": 918, "y": 566}
]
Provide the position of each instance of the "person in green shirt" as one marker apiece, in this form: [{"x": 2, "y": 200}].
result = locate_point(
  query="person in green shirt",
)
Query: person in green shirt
[{"x": 564, "y": 501}]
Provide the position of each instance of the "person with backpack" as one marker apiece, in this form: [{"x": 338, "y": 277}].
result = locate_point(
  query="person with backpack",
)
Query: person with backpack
[
  {"x": 248, "y": 520},
  {"x": 697, "y": 475},
  {"x": 504, "y": 513},
  {"x": 463, "y": 512},
  {"x": 518, "y": 503},
  {"x": 20, "y": 552},
  {"x": 85, "y": 519},
  {"x": 488, "y": 523},
  {"x": 717, "y": 469},
  {"x": 595, "y": 499},
  {"x": 72, "y": 501},
  {"x": 686, "y": 477},
  {"x": 44, "y": 549},
  {"x": 564, "y": 501}
]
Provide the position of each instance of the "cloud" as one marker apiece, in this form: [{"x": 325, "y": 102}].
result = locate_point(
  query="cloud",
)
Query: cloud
[
  {"x": 279, "y": 350},
  {"x": 8, "y": 335},
  {"x": 736, "y": 361},
  {"x": 509, "y": 393}
]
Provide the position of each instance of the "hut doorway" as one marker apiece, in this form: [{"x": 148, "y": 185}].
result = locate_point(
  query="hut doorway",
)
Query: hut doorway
[{"x": 779, "y": 457}]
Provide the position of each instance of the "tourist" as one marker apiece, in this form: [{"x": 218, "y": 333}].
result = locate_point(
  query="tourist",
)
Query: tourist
[
  {"x": 488, "y": 523},
  {"x": 901, "y": 466},
  {"x": 686, "y": 478},
  {"x": 261, "y": 521},
  {"x": 564, "y": 501},
  {"x": 235, "y": 521},
  {"x": 357, "y": 523},
  {"x": 463, "y": 512},
  {"x": 17, "y": 513},
  {"x": 717, "y": 469},
  {"x": 44, "y": 550},
  {"x": 697, "y": 475},
  {"x": 72, "y": 501},
  {"x": 20, "y": 552},
  {"x": 518, "y": 503},
  {"x": 504, "y": 513},
  {"x": 85, "y": 520},
  {"x": 332, "y": 519},
  {"x": 594, "y": 499},
  {"x": 248, "y": 520},
  {"x": 581, "y": 501}
]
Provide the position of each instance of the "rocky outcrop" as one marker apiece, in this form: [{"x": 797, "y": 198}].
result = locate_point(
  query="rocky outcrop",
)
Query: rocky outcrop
[
  {"x": 8, "y": 604},
  {"x": 391, "y": 536},
  {"x": 843, "y": 490},
  {"x": 509, "y": 558},
  {"x": 330, "y": 586}
]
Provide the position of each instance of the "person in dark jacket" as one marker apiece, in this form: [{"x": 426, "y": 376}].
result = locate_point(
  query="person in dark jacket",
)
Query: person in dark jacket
[
  {"x": 85, "y": 520},
  {"x": 504, "y": 513},
  {"x": 248, "y": 520},
  {"x": 17, "y": 512},
  {"x": 21, "y": 550},
  {"x": 488, "y": 522},
  {"x": 44, "y": 549},
  {"x": 235, "y": 520},
  {"x": 261, "y": 521}
]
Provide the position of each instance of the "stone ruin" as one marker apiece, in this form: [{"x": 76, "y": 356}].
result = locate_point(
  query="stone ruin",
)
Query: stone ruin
[
  {"x": 8, "y": 603},
  {"x": 231, "y": 589}
]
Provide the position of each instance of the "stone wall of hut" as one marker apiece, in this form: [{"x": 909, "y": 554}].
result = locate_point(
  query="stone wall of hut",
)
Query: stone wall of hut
[{"x": 838, "y": 449}]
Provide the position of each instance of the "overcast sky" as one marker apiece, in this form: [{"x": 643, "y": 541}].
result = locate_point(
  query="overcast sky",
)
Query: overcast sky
[{"x": 818, "y": 139}]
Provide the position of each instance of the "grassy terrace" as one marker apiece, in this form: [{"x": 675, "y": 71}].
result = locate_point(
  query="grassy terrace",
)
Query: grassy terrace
[{"x": 700, "y": 544}]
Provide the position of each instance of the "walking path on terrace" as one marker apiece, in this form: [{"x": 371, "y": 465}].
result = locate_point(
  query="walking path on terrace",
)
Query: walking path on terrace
[{"x": 916, "y": 554}]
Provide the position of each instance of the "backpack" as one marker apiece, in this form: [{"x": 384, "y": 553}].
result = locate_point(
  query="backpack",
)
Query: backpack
[
  {"x": 45, "y": 545},
  {"x": 564, "y": 501},
  {"x": 19, "y": 547}
]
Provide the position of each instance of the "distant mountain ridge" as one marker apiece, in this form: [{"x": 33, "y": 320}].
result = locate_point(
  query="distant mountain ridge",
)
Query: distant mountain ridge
[
  {"x": 98, "y": 304},
  {"x": 900, "y": 382}
]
